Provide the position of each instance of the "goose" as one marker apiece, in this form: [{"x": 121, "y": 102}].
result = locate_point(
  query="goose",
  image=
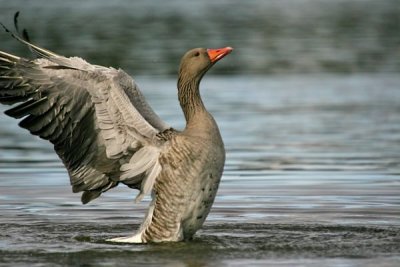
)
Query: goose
[{"x": 106, "y": 134}]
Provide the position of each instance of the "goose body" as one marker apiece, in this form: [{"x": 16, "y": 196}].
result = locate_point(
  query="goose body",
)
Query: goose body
[{"x": 106, "y": 134}]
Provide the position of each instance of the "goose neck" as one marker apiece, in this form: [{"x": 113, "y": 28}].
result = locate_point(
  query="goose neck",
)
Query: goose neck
[{"x": 190, "y": 99}]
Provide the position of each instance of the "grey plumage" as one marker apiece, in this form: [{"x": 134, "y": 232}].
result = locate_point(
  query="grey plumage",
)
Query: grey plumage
[
  {"x": 106, "y": 133},
  {"x": 84, "y": 111}
]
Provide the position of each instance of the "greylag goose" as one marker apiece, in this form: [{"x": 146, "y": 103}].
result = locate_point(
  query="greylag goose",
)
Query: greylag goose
[{"x": 106, "y": 133}]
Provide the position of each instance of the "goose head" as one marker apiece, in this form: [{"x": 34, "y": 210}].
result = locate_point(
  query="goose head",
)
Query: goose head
[{"x": 196, "y": 62}]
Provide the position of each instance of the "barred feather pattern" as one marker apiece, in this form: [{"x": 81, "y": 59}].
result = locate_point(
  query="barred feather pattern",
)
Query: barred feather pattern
[
  {"x": 105, "y": 133},
  {"x": 89, "y": 115},
  {"x": 183, "y": 196}
]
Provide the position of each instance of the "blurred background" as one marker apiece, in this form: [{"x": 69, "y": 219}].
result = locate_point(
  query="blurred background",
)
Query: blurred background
[
  {"x": 308, "y": 105},
  {"x": 270, "y": 36}
]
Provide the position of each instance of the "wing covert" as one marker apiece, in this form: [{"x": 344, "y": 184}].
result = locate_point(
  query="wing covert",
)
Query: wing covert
[{"x": 96, "y": 118}]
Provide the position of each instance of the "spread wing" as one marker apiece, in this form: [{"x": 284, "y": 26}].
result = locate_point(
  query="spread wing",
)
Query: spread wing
[{"x": 99, "y": 122}]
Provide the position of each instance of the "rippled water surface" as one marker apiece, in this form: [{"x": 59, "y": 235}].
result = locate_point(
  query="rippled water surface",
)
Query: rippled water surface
[{"x": 312, "y": 178}]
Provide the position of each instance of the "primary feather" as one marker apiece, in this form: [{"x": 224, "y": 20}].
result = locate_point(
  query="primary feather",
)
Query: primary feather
[
  {"x": 96, "y": 117},
  {"x": 105, "y": 133}
]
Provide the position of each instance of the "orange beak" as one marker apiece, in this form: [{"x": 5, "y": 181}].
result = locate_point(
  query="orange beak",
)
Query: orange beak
[{"x": 217, "y": 54}]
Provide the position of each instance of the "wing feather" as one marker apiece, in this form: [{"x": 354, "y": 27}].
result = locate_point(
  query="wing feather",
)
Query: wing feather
[
  {"x": 148, "y": 181},
  {"x": 96, "y": 117}
]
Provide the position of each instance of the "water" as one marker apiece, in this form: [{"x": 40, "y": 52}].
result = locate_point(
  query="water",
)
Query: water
[
  {"x": 312, "y": 176},
  {"x": 312, "y": 179},
  {"x": 274, "y": 36}
]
